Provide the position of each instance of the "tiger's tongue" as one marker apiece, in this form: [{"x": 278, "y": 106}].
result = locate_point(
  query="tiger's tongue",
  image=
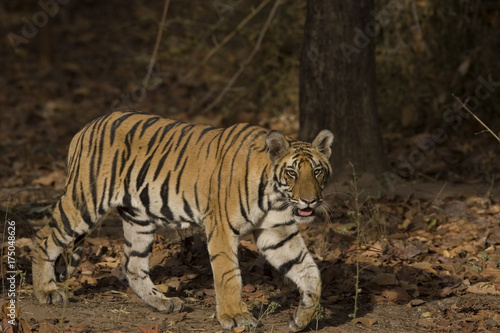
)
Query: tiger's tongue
[{"x": 305, "y": 212}]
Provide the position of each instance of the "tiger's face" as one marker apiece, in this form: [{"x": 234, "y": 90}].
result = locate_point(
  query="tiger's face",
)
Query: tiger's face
[{"x": 301, "y": 170}]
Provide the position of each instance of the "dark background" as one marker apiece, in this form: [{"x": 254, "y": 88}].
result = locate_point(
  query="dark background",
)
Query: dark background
[{"x": 91, "y": 57}]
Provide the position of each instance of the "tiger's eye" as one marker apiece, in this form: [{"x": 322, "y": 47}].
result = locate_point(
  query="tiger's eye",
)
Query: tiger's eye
[
  {"x": 291, "y": 173},
  {"x": 318, "y": 172}
]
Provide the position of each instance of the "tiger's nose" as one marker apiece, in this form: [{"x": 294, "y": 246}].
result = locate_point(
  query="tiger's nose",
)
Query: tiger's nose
[{"x": 309, "y": 201}]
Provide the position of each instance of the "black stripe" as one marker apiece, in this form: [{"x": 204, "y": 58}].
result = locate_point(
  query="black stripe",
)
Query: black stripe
[
  {"x": 196, "y": 201},
  {"x": 183, "y": 150},
  {"x": 233, "y": 270},
  {"x": 148, "y": 123},
  {"x": 117, "y": 124},
  {"x": 54, "y": 225},
  {"x": 262, "y": 188},
  {"x": 160, "y": 166},
  {"x": 217, "y": 136},
  {"x": 178, "y": 184},
  {"x": 144, "y": 196},
  {"x": 64, "y": 218},
  {"x": 85, "y": 215},
  {"x": 242, "y": 208},
  {"x": 187, "y": 208},
  {"x": 91, "y": 140},
  {"x": 233, "y": 229},
  {"x": 143, "y": 254},
  {"x": 152, "y": 141},
  {"x": 127, "y": 242},
  {"x": 229, "y": 134},
  {"x": 93, "y": 182},
  {"x": 57, "y": 241},
  {"x": 113, "y": 176},
  {"x": 285, "y": 224},
  {"x": 102, "y": 138},
  {"x": 123, "y": 161},
  {"x": 141, "y": 177},
  {"x": 203, "y": 132},
  {"x": 127, "y": 215},
  {"x": 165, "y": 210},
  {"x": 281, "y": 243},
  {"x": 287, "y": 266},
  {"x": 167, "y": 129},
  {"x": 103, "y": 197}
]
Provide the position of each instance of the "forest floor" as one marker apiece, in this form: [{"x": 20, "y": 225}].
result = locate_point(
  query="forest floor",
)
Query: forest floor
[{"x": 427, "y": 262}]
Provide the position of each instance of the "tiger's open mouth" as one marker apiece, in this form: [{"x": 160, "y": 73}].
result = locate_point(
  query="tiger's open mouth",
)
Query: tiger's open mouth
[{"x": 304, "y": 212}]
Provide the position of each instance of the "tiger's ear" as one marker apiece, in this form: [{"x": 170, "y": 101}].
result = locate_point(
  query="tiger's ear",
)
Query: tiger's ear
[
  {"x": 276, "y": 145},
  {"x": 323, "y": 142}
]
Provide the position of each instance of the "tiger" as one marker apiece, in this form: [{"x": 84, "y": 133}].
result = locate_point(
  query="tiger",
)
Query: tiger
[{"x": 234, "y": 181}]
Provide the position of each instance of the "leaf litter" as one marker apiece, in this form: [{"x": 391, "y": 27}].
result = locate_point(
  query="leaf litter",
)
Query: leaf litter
[{"x": 436, "y": 266}]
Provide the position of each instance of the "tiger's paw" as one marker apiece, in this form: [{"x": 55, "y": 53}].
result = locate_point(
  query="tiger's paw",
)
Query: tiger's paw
[
  {"x": 293, "y": 326},
  {"x": 167, "y": 305},
  {"x": 300, "y": 319},
  {"x": 50, "y": 296},
  {"x": 243, "y": 320}
]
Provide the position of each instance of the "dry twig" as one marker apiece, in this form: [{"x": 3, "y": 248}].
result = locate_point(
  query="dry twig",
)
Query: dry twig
[
  {"x": 245, "y": 62},
  {"x": 476, "y": 117},
  {"x": 226, "y": 39},
  {"x": 161, "y": 26}
]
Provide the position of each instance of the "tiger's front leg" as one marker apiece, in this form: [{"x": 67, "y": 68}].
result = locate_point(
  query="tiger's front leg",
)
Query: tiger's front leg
[
  {"x": 284, "y": 248},
  {"x": 222, "y": 248}
]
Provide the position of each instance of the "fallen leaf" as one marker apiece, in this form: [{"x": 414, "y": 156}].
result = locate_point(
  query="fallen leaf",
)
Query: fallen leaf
[
  {"x": 99, "y": 241},
  {"x": 364, "y": 321},
  {"x": 421, "y": 265},
  {"x": 410, "y": 251},
  {"x": 384, "y": 279},
  {"x": 415, "y": 302},
  {"x": 88, "y": 280},
  {"x": 248, "y": 288},
  {"x": 163, "y": 288},
  {"x": 25, "y": 326},
  {"x": 209, "y": 292},
  {"x": 52, "y": 178},
  {"x": 9, "y": 309},
  {"x": 397, "y": 294},
  {"x": 426, "y": 323},
  {"x": 491, "y": 273},
  {"x": 6, "y": 327},
  {"x": 46, "y": 327},
  {"x": 483, "y": 288},
  {"x": 80, "y": 328},
  {"x": 149, "y": 329}
]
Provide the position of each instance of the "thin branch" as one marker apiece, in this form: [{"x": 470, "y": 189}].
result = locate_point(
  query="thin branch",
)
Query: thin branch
[
  {"x": 479, "y": 120},
  {"x": 226, "y": 39},
  {"x": 161, "y": 27},
  {"x": 419, "y": 28},
  {"x": 245, "y": 62}
]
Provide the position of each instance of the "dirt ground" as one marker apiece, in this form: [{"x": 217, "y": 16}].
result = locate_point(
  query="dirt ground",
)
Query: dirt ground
[{"x": 435, "y": 267}]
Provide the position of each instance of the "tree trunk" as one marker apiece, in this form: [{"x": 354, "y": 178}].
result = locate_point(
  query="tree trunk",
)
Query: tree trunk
[{"x": 337, "y": 82}]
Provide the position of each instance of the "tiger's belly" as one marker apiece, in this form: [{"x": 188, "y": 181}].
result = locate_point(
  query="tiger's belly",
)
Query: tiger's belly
[{"x": 149, "y": 204}]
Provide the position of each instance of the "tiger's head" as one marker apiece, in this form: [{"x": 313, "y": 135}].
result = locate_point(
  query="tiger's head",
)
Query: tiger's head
[{"x": 300, "y": 170}]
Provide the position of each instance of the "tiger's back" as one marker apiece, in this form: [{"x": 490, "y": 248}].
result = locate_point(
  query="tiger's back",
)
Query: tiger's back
[
  {"x": 230, "y": 181},
  {"x": 150, "y": 158}
]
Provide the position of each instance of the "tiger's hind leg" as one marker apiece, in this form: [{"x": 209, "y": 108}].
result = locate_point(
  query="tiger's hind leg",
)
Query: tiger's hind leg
[
  {"x": 67, "y": 224},
  {"x": 139, "y": 237}
]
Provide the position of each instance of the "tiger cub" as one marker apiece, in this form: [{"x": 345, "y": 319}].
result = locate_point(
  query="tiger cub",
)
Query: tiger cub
[{"x": 234, "y": 181}]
